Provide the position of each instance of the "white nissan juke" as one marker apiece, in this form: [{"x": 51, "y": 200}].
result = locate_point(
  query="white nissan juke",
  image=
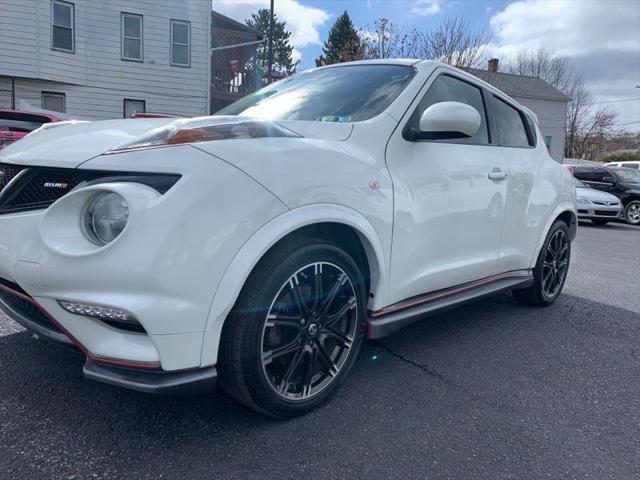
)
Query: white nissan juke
[{"x": 257, "y": 248}]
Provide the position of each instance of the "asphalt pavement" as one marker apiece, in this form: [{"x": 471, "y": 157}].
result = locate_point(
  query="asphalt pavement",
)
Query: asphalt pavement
[{"x": 490, "y": 390}]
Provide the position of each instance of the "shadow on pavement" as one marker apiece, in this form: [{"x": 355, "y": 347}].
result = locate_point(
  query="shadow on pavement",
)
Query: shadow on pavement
[{"x": 518, "y": 390}]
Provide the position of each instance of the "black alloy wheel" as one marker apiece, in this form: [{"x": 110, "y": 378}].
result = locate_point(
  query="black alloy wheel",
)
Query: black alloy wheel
[
  {"x": 550, "y": 270},
  {"x": 309, "y": 331},
  {"x": 555, "y": 264},
  {"x": 296, "y": 329}
]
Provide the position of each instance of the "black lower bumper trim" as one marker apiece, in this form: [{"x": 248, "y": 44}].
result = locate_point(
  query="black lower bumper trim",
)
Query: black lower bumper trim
[
  {"x": 40, "y": 329},
  {"x": 202, "y": 380}
]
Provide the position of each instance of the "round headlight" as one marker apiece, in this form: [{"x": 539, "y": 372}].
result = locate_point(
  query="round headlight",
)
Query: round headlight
[{"x": 104, "y": 218}]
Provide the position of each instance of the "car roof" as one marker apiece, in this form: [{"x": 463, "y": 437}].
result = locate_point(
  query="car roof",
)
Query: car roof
[{"x": 380, "y": 61}]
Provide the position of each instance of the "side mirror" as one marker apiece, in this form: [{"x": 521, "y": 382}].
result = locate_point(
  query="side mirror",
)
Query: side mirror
[{"x": 446, "y": 120}]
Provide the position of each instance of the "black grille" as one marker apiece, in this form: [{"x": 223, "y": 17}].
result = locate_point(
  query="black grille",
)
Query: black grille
[
  {"x": 7, "y": 172},
  {"x": 606, "y": 213},
  {"x": 24, "y": 307},
  {"x": 39, "y": 187}
]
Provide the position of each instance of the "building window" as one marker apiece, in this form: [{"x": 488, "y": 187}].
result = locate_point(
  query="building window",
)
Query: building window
[
  {"x": 133, "y": 106},
  {"x": 62, "y": 26},
  {"x": 547, "y": 141},
  {"x": 54, "y": 101},
  {"x": 180, "y": 43},
  {"x": 132, "y": 47}
]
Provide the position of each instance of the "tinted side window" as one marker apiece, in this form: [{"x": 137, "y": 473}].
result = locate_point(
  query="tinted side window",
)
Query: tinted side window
[
  {"x": 514, "y": 133},
  {"x": 584, "y": 175},
  {"x": 601, "y": 175},
  {"x": 450, "y": 89}
]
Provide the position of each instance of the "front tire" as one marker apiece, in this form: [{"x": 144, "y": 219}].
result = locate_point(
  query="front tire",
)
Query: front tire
[
  {"x": 296, "y": 329},
  {"x": 632, "y": 212},
  {"x": 550, "y": 271}
]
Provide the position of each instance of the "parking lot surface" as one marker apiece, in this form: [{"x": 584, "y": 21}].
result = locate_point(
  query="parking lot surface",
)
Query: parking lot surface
[{"x": 489, "y": 390}]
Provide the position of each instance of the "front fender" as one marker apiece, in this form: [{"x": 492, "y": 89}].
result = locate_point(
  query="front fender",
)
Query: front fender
[{"x": 268, "y": 235}]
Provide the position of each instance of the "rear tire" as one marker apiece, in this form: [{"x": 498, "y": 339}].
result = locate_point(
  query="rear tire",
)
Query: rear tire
[
  {"x": 599, "y": 221},
  {"x": 287, "y": 306},
  {"x": 632, "y": 212},
  {"x": 550, "y": 271}
]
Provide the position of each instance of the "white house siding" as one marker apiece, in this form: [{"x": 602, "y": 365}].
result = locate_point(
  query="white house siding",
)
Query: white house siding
[
  {"x": 551, "y": 117},
  {"x": 95, "y": 79}
]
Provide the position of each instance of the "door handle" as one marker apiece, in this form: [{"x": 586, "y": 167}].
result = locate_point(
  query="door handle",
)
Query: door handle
[{"x": 497, "y": 175}]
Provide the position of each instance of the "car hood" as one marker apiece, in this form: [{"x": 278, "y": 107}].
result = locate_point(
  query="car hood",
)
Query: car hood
[
  {"x": 73, "y": 144},
  {"x": 593, "y": 194}
]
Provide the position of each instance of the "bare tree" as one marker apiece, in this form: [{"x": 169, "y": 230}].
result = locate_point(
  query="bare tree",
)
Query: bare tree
[
  {"x": 456, "y": 42},
  {"x": 387, "y": 40},
  {"x": 588, "y": 128},
  {"x": 595, "y": 135},
  {"x": 543, "y": 64},
  {"x": 576, "y": 117},
  {"x": 453, "y": 41}
]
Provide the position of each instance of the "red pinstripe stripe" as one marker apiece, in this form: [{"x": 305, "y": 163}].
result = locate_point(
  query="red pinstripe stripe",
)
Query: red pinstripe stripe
[
  {"x": 96, "y": 358},
  {"x": 430, "y": 297}
]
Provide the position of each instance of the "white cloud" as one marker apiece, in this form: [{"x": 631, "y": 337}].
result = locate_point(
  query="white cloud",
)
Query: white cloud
[
  {"x": 302, "y": 20},
  {"x": 426, "y": 7},
  {"x": 602, "y": 39},
  {"x": 573, "y": 28}
]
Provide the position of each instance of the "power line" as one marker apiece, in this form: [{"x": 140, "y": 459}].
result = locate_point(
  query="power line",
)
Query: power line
[{"x": 614, "y": 101}]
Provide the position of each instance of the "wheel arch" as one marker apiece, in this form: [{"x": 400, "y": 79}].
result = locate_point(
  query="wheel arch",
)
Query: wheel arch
[
  {"x": 341, "y": 225},
  {"x": 566, "y": 212}
]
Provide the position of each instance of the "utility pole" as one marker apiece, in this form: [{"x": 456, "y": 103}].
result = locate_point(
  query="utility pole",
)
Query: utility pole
[{"x": 270, "y": 66}]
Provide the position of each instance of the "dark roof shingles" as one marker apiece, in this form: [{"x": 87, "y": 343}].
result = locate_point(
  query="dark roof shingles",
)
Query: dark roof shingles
[{"x": 520, "y": 85}]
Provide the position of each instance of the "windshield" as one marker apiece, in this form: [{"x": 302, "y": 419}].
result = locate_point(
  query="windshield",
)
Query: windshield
[
  {"x": 627, "y": 175},
  {"x": 340, "y": 94},
  {"x": 18, "y": 125},
  {"x": 578, "y": 183}
]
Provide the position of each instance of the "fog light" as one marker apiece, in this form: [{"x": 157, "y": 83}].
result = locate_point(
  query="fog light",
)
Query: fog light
[
  {"x": 104, "y": 217},
  {"x": 113, "y": 316}
]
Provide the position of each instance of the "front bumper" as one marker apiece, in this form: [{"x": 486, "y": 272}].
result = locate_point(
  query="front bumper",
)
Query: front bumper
[
  {"x": 164, "y": 268},
  {"x": 20, "y": 307},
  {"x": 23, "y": 309},
  {"x": 589, "y": 211}
]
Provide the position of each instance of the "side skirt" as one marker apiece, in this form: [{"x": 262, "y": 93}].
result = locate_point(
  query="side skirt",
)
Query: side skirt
[{"x": 390, "y": 319}]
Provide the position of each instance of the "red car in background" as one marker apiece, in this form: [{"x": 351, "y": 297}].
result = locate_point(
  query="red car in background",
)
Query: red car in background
[{"x": 15, "y": 124}]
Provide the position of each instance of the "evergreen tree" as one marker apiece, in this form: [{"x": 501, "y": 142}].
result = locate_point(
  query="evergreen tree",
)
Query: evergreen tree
[
  {"x": 283, "y": 64},
  {"x": 344, "y": 43}
]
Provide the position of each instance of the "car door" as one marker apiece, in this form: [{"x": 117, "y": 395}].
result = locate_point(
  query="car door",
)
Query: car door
[
  {"x": 448, "y": 211},
  {"x": 598, "y": 178},
  {"x": 528, "y": 203}
]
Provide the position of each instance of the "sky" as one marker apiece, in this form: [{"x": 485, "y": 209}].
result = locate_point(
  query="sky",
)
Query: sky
[{"x": 602, "y": 37}]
